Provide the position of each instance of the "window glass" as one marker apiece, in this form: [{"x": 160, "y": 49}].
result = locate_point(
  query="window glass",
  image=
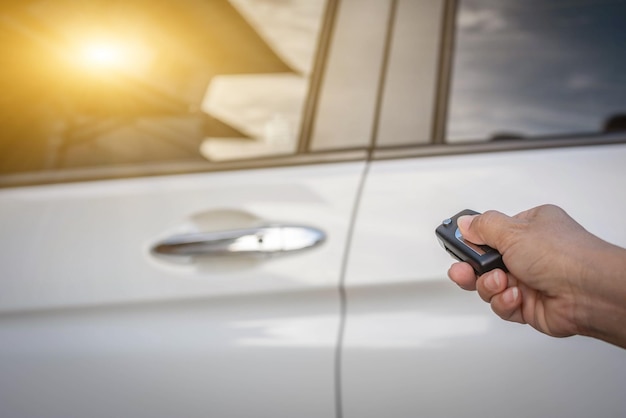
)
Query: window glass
[
  {"x": 535, "y": 68},
  {"x": 101, "y": 83}
]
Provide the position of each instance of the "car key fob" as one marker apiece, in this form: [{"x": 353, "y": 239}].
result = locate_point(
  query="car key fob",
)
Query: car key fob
[{"x": 482, "y": 258}]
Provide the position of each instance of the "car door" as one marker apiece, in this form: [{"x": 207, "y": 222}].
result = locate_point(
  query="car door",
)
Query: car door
[
  {"x": 522, "y": 117},
  {"x": 147, "y": 201}
]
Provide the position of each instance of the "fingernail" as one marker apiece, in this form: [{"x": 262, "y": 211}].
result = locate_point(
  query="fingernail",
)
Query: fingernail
[
  {"x": 464, "y": 222},
  {"x": 511, "y": 295},
  {"x": 492, "y": 281}
]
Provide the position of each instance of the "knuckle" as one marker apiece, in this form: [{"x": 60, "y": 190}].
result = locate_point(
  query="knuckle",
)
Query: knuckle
[
  {"x": 485, "y": 294},
  {"x": 492, "y": 227},
  {"x": 505, "y": 314},
  {"x": 550, "y": 209},
  {"x": 488, "y": 216}
]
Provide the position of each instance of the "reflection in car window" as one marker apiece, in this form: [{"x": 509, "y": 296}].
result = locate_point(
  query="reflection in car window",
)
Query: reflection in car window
[
  {"x": 102, "y": 84},
  {"x": 531, "y": 68}
]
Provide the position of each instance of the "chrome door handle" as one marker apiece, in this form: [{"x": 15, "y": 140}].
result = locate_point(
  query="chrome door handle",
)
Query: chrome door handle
[{"x": 264, "y": 240}]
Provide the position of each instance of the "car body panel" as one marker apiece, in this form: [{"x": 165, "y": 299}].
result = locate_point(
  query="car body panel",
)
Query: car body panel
[
  {"x": 104, "y": 231},
  {"x": 95, "y": 325},
  {"x": 225, "y": 357},
  {"x": 417, "y": 345},
  {"x": 430, "y": 349}
]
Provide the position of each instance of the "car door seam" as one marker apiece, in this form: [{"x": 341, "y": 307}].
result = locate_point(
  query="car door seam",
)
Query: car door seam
[{"x": 343, "y": 301}]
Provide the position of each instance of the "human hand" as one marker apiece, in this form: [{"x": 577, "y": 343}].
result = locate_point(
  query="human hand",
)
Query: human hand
[{"x": 551, "y": 261}]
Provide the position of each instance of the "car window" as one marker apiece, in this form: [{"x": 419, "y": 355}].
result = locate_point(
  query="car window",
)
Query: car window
[
  {"x": 101, "y": 84},
  {"x": 537, "y": 68}
]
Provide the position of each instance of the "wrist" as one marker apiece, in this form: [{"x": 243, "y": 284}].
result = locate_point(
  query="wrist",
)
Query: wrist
[{"x": 601, "y": 309}]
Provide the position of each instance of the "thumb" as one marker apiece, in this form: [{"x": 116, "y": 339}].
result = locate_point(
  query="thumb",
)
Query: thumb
[{"x": 490, "y": 228}]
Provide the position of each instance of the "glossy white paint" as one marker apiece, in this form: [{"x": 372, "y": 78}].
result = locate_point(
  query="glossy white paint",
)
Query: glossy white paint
[
  {"x": 348, "y": 99},
  {"x": 96, "y": 326},
  {"x": 222, "y": 357},
  {"x": 412, "y": 72},
  {"x": 88, "y": 243},
  {"x": 416, "y": 345},
  {"x": 428, "y": 349},
  {"x": 92, "y": 325},
  {"x": 404, "y": 200}
]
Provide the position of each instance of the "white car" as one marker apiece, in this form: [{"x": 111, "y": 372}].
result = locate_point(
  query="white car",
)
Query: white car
[{"x": 227, "y": 208}]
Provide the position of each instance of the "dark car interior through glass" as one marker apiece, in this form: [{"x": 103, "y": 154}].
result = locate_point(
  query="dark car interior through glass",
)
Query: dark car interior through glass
[{"x": 536, "y": 68}]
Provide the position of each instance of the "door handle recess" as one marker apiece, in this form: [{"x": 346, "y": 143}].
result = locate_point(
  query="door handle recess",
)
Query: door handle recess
[{"x": 264, "y": 240}]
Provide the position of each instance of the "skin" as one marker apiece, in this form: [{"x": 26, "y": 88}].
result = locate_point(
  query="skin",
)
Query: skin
[{"x": 562, "y": 279}]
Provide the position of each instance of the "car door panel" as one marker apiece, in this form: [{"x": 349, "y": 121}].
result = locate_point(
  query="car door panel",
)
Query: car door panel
[
  {"x": 417, "y": 345},
  {"x": 104, "y": 230},
  {"x": 93, "y": 324},
  {"x": 227, "y": 357}
]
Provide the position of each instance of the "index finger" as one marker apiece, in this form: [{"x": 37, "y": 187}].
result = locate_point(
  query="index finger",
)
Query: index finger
[{"x": 463, "y": 275}]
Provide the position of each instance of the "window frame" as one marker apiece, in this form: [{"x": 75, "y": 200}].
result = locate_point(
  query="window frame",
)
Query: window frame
[
  {"x": 312, "y": 145},
  {"x": 436, "y": 143}
]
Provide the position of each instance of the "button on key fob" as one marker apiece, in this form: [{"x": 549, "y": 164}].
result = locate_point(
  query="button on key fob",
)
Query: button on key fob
[{"x": 482, "y": 258}]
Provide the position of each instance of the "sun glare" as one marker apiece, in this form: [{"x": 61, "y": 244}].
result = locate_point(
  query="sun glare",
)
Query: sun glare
[{"x": 102, "y": 55}]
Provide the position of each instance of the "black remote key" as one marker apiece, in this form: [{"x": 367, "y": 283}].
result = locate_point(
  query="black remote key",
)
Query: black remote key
[{"x": 482, "y": 258}]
